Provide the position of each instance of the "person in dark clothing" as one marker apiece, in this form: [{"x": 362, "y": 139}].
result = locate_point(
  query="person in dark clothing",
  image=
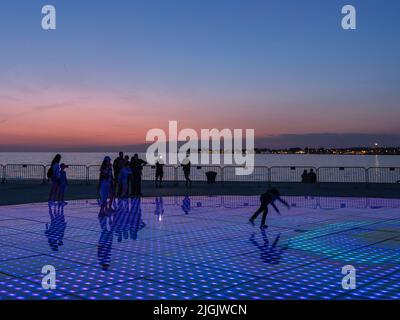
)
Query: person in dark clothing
[
  {"x": 159, "y": 173},
  {"x": 63, "y": 184},
  {"x": 118, "y": 164},
  {"x": 54, "y": 174},
  {"x": 268, "y": 198},
  {"x": 186, "y": 165},
  {"x": 312, "y": 177},
  {"x": 304, "y": 177},
  {"x": 136, "y": 166}
]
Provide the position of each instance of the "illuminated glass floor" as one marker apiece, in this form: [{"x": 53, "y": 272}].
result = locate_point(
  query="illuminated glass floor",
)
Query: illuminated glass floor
[{"x": 201, "y": 248}]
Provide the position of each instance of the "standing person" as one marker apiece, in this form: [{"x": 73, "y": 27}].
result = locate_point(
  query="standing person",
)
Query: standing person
[
  {"x": 268, "y": 198},
  {"x": 106, "y": 186},
  {"x": 126, "y": 164},
  {"x": 312, "y": 177},
  {"x": 63, "y": 183},
  {"x": 137, "y": 168},
  {"x": 304, "y": 177},
  {"x": 123, "y": 180},
  {"x": 159, "y": 173},
  {"x": 54, "y": 175},
  {"x": 118, "y": 164},
  {"x": 186, "y": 165}
]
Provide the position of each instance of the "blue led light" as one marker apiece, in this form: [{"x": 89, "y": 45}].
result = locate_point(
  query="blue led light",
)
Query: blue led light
[{"x": 209, "y": 252}]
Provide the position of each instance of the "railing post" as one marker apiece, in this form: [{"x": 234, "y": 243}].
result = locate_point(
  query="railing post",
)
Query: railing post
[
  {"x": 44, "y": 175},
  {"x": 175, "y": 175}
]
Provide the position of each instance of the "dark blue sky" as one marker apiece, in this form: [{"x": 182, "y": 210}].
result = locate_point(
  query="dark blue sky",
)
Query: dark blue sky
[{"x": 280, "y": 67}]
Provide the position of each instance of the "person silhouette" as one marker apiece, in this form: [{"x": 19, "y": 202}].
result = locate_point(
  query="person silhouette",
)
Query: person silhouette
[
  {"x": 136, "y": 166},
  {"x": 304, "y": 177},
  {"x": 118, "y": 164},
  {"x": 268, "y": 198},
  {"x": 54, "y": 175},
  {"x": 123, "y": 180},
  {"x": 159, "y": 172},
  {"x": 186, "y": 166},
  {"x": 312, "y": 177},
  {"x": 106, "y": 185}
]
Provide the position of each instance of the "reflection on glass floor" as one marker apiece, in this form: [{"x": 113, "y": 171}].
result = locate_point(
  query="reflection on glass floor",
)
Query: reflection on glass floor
[{"x": 201, "y": 248}]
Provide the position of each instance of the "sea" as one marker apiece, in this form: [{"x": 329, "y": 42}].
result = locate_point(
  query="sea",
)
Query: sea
[{"x": 270, "y": 160}]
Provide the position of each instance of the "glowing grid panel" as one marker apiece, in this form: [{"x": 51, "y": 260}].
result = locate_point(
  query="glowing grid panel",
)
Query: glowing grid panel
[
  {"x": 9, "y": 253},
  {"x": 202, "y": 279},
  {"x": 210, "y": 253},
  {"x": 271, "y": 289},
  {"x": 19, "y": 289},
  {"x": 33, "y": 265},
  {"x": 85, "y": 278},
  {"x": 140, "y": 290}
]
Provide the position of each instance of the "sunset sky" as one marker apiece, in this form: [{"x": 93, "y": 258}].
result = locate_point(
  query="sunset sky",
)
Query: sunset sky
[{"x": 115, "y": 69}]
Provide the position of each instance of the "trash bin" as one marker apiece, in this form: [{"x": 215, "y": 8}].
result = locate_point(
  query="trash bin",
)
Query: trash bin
[{"x": 211, "y": 176}]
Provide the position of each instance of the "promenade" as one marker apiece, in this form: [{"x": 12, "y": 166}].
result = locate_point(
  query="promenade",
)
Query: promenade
[{"x": 32, "y": 193}]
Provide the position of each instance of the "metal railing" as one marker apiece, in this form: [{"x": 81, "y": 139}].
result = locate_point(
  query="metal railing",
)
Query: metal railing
[
  {"x": 288, "y": 174},
  {"x": 383, "y": 175},
  {"x": 149, "y": 172},
  {"x": 198, "y": 173},
  {"x": 77, "y": 174},
  {"x": 24, "y": 173},
  {"x": 260, "y": 174},
  {"x": 1, "y": 173},
  {"x": 342, "y": 175},
  {"x": 81, "y": 174}
]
